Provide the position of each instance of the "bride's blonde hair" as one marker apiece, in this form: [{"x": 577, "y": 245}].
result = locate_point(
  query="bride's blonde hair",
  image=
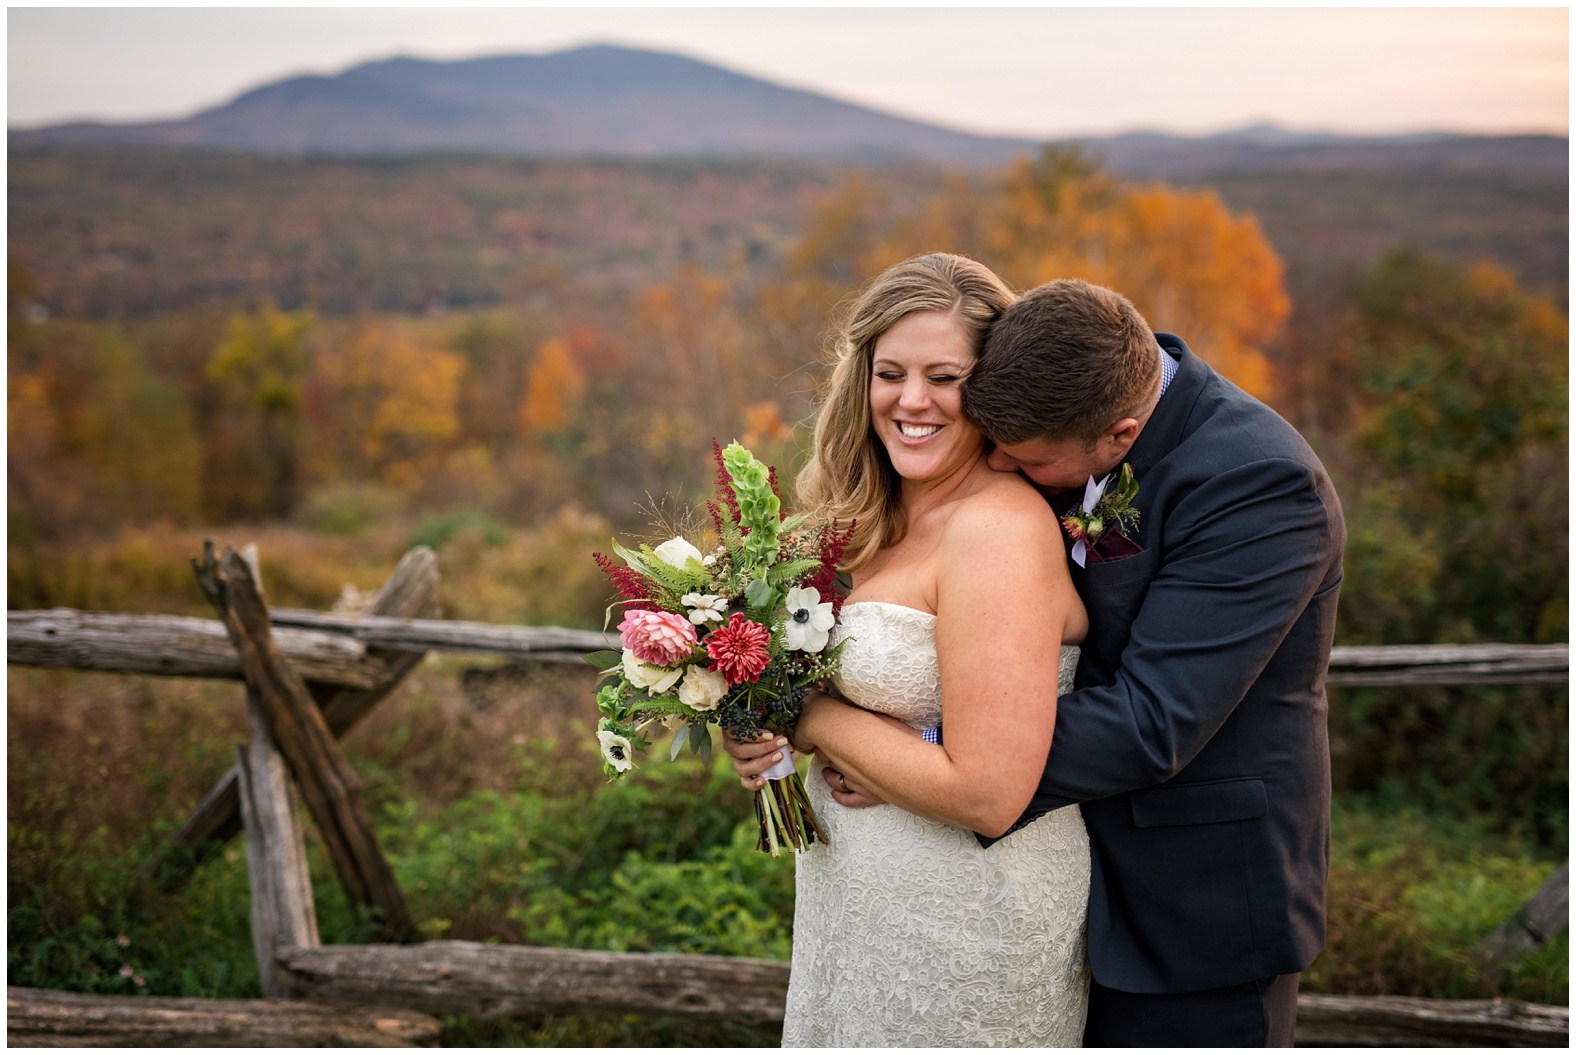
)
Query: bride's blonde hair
[{"x": 849, "y": 477}]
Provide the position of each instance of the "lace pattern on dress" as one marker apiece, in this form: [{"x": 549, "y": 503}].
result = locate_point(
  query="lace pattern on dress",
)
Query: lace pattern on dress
[{"x": 906, "y": 931}]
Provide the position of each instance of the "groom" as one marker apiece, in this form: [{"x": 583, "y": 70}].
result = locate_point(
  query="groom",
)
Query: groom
[{"x": 1196, "y": 737}]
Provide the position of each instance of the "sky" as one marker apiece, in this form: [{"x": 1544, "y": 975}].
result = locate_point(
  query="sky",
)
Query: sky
[{"x": 1025, "y": 71}]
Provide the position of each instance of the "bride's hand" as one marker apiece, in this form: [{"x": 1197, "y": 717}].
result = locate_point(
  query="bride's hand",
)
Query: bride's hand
[{"x": 753, "y": 757}]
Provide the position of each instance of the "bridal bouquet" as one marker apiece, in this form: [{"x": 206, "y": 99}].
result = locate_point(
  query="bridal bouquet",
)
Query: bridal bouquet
[{"x": 733, "y": 637}]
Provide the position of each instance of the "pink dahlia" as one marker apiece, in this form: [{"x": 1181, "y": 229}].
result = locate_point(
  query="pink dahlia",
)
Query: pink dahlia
[
  {"x": 738, "y": 651},
  {"x": 659, "y": 638}
]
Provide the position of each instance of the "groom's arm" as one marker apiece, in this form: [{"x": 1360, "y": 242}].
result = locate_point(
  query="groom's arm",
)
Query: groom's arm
[{"x": 1245, "y": 552}]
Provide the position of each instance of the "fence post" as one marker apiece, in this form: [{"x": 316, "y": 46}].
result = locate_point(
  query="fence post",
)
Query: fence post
[
  {"x": 411, "y": 592},
  {"x": 283, "y": 913},
  {"x": 326, "y": 780}
]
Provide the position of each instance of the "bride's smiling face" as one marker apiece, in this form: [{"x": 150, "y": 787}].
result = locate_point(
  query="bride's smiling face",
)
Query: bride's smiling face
[{"x": 916, "y": 407}]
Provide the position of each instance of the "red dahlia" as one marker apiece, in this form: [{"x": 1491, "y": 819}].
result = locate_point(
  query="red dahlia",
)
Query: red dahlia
[{"x": 738, "y": 651}]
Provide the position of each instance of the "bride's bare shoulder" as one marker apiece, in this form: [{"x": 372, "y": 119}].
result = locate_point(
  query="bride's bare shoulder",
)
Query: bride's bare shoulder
[{"x": 1005, "y": 507}]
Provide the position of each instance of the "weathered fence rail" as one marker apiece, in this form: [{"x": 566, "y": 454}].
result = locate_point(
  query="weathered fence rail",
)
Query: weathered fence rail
[
  {"x": 171, "y": 645},
  {"x": 472, "y": 978},
  {"x": 391, "y": 997},
  {"x": 540, "y": 643},
  {"x": 1449, "y": 664},
  {"x": 49, "y": 1018},
  {"x": 1415, "y": 1022},
  {"x": 311, "y": 676},
  {"x": 331, "y": 649}
]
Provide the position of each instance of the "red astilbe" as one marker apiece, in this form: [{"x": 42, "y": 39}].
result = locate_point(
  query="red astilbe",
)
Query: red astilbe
[
  {"x": 771, "y": 478},
  {"x": 829, "y": 545},
  {"x": 724, "y": 484},
  {"x": 629, "y": 583},
  {"x": 739, "y": 651}
]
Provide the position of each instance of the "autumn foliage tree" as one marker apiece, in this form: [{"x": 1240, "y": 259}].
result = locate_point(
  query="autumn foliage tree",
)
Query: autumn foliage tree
[
  {"x": 1190, "y": 265},
  {"x": 252, "y": 411},
  {"x": 1459, "y": 507}
]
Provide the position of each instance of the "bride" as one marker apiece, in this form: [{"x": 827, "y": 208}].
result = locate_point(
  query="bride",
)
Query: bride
[{"x": 907, "y": 930}]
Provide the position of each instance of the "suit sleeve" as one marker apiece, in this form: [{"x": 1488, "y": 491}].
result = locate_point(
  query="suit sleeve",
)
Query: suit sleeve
[{"x": 1242, "y": 556}]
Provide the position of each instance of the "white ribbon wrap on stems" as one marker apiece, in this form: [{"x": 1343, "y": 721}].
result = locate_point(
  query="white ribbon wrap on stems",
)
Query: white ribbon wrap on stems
[{"x": 781, "y": 770}]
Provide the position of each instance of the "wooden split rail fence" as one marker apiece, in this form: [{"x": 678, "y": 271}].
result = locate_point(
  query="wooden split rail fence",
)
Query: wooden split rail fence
[{"x": 310, "y": 677}]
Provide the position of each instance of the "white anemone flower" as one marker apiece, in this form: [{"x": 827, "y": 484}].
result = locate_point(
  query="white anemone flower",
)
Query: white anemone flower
[
  {"x": 809, "y": 620},
  {"x": 618, "y": 751},
  {"x": 705, "y": 607},
  {"x": 649, "y": 676},
  {"x": 677, "y": 552},
  {"x": 702, "y": 689}
]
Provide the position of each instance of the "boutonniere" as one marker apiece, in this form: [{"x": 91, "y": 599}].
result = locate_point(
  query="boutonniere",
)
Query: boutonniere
[{"x": 1104, "y": 514}]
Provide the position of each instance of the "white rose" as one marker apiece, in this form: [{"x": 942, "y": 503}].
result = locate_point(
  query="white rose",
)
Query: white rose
[
  {"x": 648, "y": 676},
  {"x": 676, "y": 552},
  {"x": 702, "y": 689},
  {"x": 809, "y": 620}
]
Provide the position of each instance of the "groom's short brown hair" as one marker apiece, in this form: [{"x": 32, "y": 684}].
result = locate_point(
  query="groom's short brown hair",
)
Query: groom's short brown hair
[{"x": 1064, "y": 362}]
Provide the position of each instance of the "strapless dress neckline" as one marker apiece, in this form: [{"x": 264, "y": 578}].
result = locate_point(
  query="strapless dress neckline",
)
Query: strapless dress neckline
[{"x": 892, "y": 604}]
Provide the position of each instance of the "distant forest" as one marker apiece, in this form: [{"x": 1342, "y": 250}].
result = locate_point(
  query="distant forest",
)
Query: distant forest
[{"x": 124, "y": 232}]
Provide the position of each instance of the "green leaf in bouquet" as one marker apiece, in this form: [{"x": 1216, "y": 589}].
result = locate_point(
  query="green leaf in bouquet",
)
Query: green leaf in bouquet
[
  {"x": 791, "y": 571},
  {"x": 758, "y": 594},
  {"x": 700, "y": 742},
  {"x": 656, "y": 705},
  {"x": 610, "y": 703},
  {"x": 636, "y": 561},
  {"x": 678, "y": 742},
  {"x": 759, "y": 507},
  {"x": 693, "y": 575},
  {"x": 606, "y": 660},
  {"x": 668, "y": 580}
]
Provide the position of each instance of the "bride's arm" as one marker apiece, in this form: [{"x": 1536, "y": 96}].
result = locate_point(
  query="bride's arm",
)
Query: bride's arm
[{"x": 1004, "y": 598}]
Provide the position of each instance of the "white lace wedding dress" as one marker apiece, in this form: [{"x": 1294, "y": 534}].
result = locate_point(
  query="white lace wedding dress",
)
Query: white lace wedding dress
[{"x": 906, "y": 932}]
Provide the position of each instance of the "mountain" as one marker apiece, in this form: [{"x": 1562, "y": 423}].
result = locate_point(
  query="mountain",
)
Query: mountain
[
  {"x": 614, "y": 102},
  {"x": 593, "y": 101},
  {"x": 1265, "y": 148}
]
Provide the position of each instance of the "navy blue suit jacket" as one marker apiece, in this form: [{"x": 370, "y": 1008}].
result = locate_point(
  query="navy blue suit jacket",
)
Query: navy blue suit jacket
[{"x": 1196, "y": 738}]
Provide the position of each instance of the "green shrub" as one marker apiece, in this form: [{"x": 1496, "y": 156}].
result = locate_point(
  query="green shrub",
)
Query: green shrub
[
  {"x": 1498, "y": 753},
  {"x": 439, "y": 530},
  {"x": 1411, "y": 894},
  {"x": 348, "y": 508}
]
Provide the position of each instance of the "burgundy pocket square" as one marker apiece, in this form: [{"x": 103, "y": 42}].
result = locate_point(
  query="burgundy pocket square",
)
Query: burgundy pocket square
[{"x": 1112, "y": 546}]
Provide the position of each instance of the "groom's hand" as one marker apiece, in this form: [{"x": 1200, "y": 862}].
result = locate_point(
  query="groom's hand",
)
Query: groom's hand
[{"x": 847, "y": 792}]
